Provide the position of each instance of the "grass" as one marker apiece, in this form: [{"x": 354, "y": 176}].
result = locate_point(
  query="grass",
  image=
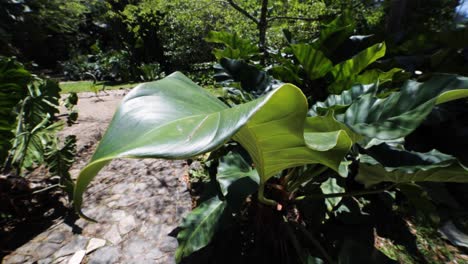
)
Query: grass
[{"x": 87, "y": 86}]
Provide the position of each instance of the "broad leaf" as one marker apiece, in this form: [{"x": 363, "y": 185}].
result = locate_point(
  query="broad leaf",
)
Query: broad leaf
[
  {"x": 358, "y": 62},
  {"x": 330, "y": 186},
  {"x": 401, "y": 112},
  {"x": 174, "y": 118},
  {"x": 339, "y": 103},
  {"x": 30, "y": 146},
  {"x": 384, "y": 164},
  {"x": 198, "y": 227},
  {"x": 274, "y": 137},
  {"x": 250, "y": 78},
  {"x": 233, "y": 167},
  {"x": 345, "y": 72},
  {"x": 314, "y": 62},
  {"x": 334, "y": 33},
  {"x": 13, "y": 88},
  {"x": 371, "y": 76}
]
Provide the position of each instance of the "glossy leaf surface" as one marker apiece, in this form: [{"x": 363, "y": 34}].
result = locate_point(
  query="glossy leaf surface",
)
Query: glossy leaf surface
[
  {"x": 408, "y": 166},
  {"x": 174, "y": 119},
  {"x": 401, "y": 112}
]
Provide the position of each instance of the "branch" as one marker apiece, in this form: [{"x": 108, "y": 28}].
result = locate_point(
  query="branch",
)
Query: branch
[
  {"x": 243, "y": 11},
  {"x": 299, "y": 18}
]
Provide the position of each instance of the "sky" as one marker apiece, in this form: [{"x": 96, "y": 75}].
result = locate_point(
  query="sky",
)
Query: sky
[{"x": 462, "y": 9}]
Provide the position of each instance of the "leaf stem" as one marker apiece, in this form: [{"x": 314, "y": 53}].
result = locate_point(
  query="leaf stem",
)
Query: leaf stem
[
  {"x": 262, "y": 198},
  {"x": 345, "y": 194}
]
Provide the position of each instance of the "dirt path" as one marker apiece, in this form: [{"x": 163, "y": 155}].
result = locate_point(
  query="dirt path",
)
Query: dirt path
[{"x": 137, "y": 203}]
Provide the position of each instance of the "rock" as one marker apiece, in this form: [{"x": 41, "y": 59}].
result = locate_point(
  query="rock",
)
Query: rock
[
  {"x": 94, "y": 244},
  {"x": 154, "y": 254},
  {"x": 113, "y": 235},
  {"x": 120, "y": 188},
  {"x": 57, "y": 237},
  {"x": 169, "y": 244},
  {"x": 105, "y": 255},
  {"x": 15, "y": 259},
  {"x": 77, "y": 257},
  {"x": 46, "y": 249},
  {"x": 76, "y": 244},
  {"x": 29, "y": 248},
  {"x": 127, "y": 224},
  {"x": 118, "y": 215},
  {"x": 45, "y": 261}
]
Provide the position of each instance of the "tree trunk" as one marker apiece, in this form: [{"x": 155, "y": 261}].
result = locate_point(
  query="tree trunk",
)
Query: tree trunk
[{"x": 262, "y": 29}]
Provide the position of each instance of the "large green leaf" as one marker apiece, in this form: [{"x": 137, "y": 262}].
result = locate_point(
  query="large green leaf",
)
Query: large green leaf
[
  {"x": 198, "y": 227},
  {"x": 334, "y": 33},
  {"x": 371, "y": 76},
  {"x": 30, "y": 146},
  {"x": 274, "y": 137},
  {"x": 174, "y": 118},
  {"x": 13, "y": 88},
  {"x": 401, "y": 112},
  {"x": 345, "y": 73},
  {"x": 251, "y": 79},
  {"x": 314, "y": 62},
  {"x": 409, "y": 167},
  {"x": 339, "y": 103}
]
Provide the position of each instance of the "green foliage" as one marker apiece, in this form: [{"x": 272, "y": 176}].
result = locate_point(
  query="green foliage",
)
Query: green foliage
[
  {"x": 401, "y": 112},
  {"x": 150, "y": 72},
  {"x": 108, "y": 66},
  {"x": 30, "y": 105},
  {"x": 295, "y": 158},
  {"x": 236, "y": 47},
  {"x": 13, "y": 88},
  {"x": 271, "y": 117},
  {"x": 199, "y": 227},
  {"x": 59, "y": 159}
]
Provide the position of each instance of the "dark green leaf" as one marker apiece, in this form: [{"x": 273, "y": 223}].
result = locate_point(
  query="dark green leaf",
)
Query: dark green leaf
[
  {"x": 414, "y": 167},
  {"x": 401, "y": 112},
  {"x": 250, "y": 78},
  {"x": 345, "y": 72},
  {"x": 339, "y": 103},
  {"x": 233, "y": 167},
  {"x": 314, "y": 62},
  {"x": 198, "y": 227}
]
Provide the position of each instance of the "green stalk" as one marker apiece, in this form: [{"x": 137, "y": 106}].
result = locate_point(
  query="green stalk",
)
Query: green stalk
[
  {"x": 306, "y": 177},
  {"x": 9, "y": 161},
  {"x": 346, "y": 194},
  {"x": 262, "y": 198}
]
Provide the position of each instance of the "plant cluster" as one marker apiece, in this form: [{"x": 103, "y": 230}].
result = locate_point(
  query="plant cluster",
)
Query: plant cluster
[
  {"x": 29, "y": 106},
  {"x": 311, "y": 172}
]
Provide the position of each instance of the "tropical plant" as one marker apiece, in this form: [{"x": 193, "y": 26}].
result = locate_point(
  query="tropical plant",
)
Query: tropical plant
[
  {"x": 316, "y": 172},
  {"x": 13, "y": 88},
  {"x": 29, "y": 125}
]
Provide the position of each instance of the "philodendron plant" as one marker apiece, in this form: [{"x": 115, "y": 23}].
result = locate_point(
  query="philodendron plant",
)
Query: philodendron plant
[{"x": 296, "y": 154}]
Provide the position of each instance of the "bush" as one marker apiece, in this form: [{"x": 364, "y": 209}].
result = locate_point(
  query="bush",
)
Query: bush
[{"x": 114, "y": 66}]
